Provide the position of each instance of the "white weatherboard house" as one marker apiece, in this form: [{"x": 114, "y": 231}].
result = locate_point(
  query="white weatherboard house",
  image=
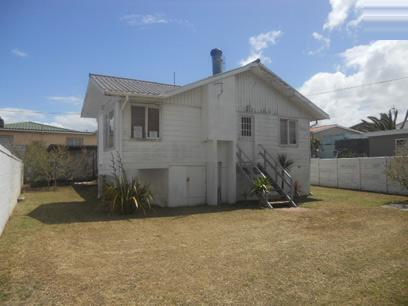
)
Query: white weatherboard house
[{"x": 204, "y": 142}]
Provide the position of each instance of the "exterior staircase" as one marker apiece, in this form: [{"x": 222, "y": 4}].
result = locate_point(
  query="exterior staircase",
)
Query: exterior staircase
[{"x": 281, "y": 181}]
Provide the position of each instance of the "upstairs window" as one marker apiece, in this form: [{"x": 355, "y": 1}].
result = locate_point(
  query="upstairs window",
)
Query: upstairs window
[
  {"x": 246, "y": 126},
  {"x": 75, "y": 141},
  {"x": 288, "y": 132},
  {"x": 108, "y": 124},
  {"x": 145, "y": 122}
]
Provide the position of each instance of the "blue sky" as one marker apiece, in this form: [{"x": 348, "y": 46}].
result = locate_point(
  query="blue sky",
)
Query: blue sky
[{"x": 49, "y": 47}]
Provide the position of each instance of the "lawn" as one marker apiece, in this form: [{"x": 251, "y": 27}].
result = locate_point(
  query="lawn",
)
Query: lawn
[{"x": 341, "y": 247}]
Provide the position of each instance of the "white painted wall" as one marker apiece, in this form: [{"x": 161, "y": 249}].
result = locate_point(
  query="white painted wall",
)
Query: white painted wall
[
  {"x": 200, "y": 128},
  {"x": 364, "y": 173},
  {"x": 256, "y": 98},
  {"x": 11, "y": 178}
]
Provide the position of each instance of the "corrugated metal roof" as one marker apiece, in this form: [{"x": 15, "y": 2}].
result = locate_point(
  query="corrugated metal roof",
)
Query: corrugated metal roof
[
  {"x": 322, "y": 128},
  {"x": 130, "y": 86},
  {"x": 318, "y": 129},
  {"x": 36, "y": 127}
]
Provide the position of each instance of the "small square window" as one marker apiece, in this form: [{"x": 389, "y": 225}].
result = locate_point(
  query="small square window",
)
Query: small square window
[{"x": 246, "y": 126}]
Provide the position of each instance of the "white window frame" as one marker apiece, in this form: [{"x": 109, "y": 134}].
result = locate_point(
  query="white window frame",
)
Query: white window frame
[
  {"x": 252, "y": 126},
  {"x": 146, "y": 122},
  {"x": 288, "y": 132}
]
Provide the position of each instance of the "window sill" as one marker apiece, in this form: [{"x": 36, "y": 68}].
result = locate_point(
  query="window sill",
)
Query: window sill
[
  {"x": 145, "y": 139},
  {"x": 107, "y": 150},
  {"x": 289, "y": 145}
]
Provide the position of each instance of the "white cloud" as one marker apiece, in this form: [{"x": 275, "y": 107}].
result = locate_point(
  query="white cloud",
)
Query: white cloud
[
  {"x": 356, "y": 12},
  {"x": 136, "y": 19},
  {"x": 68, "y": 120},
  {"x": 152, "y": 19},
  {"x": 19, "y": 53},
  {"x": 377, "y": 61},
  {"x": 340, "y": 10},
  {"x": 73, "y": 100},
  {"x": 75, "y": 122},
  {"x": 258, "y": 44},
  {"x": 324, "y": 43},
  {"x": 11, "y": 115}
]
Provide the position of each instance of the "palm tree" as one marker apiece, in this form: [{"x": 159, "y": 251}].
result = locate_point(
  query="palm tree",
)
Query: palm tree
[
  {"x": 386, "y": 121},
  {"x": 286, "y": 164}
]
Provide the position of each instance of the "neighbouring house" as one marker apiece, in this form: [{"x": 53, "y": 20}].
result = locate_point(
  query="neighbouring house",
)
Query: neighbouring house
[
  {"x": 205, "y": 141},
  {"x": 16, "y": 136},
  {"x": 402, "y": 125},
  {"x": 328, "y": 135},
  {"x": 371, "y": 144}
]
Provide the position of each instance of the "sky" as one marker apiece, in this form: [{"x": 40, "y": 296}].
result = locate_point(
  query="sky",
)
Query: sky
[{"x": 350, "y": 57}]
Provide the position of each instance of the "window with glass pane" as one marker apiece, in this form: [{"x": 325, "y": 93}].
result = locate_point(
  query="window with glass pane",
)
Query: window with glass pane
[
  {"x": 246, "y": 126},
  {"x": 284, "y": 131},
  {"x": 75, "y": 141},
  {"x": 153, "y": 122},
  {"x": 6, "y": 139},
  {"x": 138, "y": 122},
  {"x": 292, "y": 132},
  {"x": 109, "y": 129},
  {"x": 145, "y": 123}
]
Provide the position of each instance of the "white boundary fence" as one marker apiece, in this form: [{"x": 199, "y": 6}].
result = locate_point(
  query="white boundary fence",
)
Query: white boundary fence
[
  {"x": 363, "y": 173},
  {"x": 11, "y": 180}
]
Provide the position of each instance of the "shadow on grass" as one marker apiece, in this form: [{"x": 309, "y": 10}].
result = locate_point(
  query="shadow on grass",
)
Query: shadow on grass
[
  {"x": 396, "y": 202},
  {"x": 92, "y": 210}
]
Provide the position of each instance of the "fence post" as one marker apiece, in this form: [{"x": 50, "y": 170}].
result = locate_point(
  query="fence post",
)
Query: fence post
[
  {"x": 385, "y": 173},
  {"x": 337, "y": 172},
  {"x": 359, "y": 173}
]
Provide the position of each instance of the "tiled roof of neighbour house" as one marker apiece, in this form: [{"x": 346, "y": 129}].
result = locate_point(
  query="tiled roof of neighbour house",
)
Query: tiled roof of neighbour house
[
  {"x": 321, "y": 128},
  {"x": 112, "y": 84},
  {"x": 37, "y": 127}
]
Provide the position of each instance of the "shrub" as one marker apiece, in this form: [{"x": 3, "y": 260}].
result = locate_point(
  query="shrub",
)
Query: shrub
[
  {"x": 43, "y": 164},
  {"x": 260, "y": 187},
  {"x": 125, "y": 196}
]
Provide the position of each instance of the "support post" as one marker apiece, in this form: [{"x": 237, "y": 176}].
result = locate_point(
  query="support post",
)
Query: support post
[{"x": 212, "y": 173}]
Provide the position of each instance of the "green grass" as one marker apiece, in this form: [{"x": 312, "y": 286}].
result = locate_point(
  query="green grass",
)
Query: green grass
[{"x": 341, "y": 247}]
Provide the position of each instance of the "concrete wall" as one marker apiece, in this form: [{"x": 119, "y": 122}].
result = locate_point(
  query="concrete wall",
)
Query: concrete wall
[
  {"x": 11, "y": 177},
  {"x": 363, "y": 173}
]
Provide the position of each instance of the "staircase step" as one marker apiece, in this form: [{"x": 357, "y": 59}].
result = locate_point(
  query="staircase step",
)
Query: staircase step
[{"x": 280, "y": 204}]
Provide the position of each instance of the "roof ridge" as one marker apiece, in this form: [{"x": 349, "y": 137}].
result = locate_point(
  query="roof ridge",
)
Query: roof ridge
[
  {"x": 42, "y": 124},
  {"x": 130, "y": 79}
]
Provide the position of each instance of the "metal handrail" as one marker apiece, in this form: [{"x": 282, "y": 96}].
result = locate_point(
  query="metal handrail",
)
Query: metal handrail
[
  {"x": 286, "y": 177},
  {"x": 275, "y": 162},
  {"x": 239, "y": 154}
]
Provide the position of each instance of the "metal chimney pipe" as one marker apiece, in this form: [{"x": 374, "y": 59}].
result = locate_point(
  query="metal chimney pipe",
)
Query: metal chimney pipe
[{"x": 217, "y": 61}]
